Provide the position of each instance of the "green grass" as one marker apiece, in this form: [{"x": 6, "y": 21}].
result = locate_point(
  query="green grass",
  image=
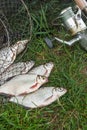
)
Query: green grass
[{"x": 71, "y": 112}]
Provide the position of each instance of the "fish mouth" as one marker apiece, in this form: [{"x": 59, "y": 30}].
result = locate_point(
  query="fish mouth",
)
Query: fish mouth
[
  {"x": 50, "y": 64},
  {"x": 46, "y": 80},
  {"x": 25, "y": 41},
  {"x": 65, "y": 90},
  {"x": 30, "y": 62}
]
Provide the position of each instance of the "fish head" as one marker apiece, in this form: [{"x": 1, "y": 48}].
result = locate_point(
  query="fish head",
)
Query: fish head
[
  {"x": 41, "y": 79},
  {"x": 30, "y": 64},
  {"x": 49, "y": 66},
  {"x": 21, "y": 45},
  {"x": 59, "y": 91}
]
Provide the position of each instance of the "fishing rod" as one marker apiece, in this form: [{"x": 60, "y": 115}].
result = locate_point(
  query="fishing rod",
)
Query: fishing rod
[{"x": 82, "y": 5}]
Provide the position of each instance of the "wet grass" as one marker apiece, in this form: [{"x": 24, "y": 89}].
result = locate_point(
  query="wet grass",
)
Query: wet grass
[{"x": 71, "y": 112}]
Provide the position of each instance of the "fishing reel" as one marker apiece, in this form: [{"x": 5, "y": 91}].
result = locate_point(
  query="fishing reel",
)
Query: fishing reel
[{"x": 74, "y": 24}]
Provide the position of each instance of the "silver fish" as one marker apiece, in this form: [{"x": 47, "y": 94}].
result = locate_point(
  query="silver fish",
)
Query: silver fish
[
  {"x": 20, "y": 46},
  {"x": 16, "y": 69},
  {"x": 40, "y": 98},
  {"x": 7, "y": 57},
  {"x": 8, "y": 54},
  {"x": 44, "y": 70},
  {"x": 22, "y": 84}
]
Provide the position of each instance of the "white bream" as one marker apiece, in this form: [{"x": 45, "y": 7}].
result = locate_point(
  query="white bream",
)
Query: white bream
[
  {"x": 42, "y": 97},
  {"x": 44, "y": 70},
  {"x": 22, "y": 84}
]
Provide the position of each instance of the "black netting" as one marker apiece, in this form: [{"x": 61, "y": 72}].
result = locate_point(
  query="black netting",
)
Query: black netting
[
  {"x": 14, "y": 22},
  {"x": 9, "y": 7},
  {"x": 15, "y": 33}
]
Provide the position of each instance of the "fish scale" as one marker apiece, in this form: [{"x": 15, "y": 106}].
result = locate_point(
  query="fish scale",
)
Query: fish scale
[
  {"x": 22, "y": 84},
  {"x": 16, "y": 69},
  {"x": 8, "y": 54},
  {"x": 7, "y": 57}
]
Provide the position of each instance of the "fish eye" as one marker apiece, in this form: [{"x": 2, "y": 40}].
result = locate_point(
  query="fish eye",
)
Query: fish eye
[
  {"x": 43, "y": 77},
  {"x": 60, "y": 89},
  {"x": 46, "y": 65}
]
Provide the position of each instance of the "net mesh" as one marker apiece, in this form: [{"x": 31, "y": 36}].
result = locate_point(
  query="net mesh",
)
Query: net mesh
[
  {"x": 14, "y": 21},
  {"x": 15, "y": 25}
]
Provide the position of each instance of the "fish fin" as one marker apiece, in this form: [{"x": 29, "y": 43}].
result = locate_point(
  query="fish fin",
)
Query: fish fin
[
  {"x": 41, "y": 106},
  {"x": 34, "y": 86},
  {"x": 9, "y": 78},
  {"x": 23, "y": 94},
  {"x": 46, "y": 102},
  {"x": 49, "y": 98},
  {"x": 6, "y": 95},
  {"x": 27, "y": 108}
]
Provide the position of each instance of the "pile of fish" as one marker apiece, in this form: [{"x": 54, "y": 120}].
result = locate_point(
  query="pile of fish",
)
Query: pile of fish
[{"x": 22, "y": 83}]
